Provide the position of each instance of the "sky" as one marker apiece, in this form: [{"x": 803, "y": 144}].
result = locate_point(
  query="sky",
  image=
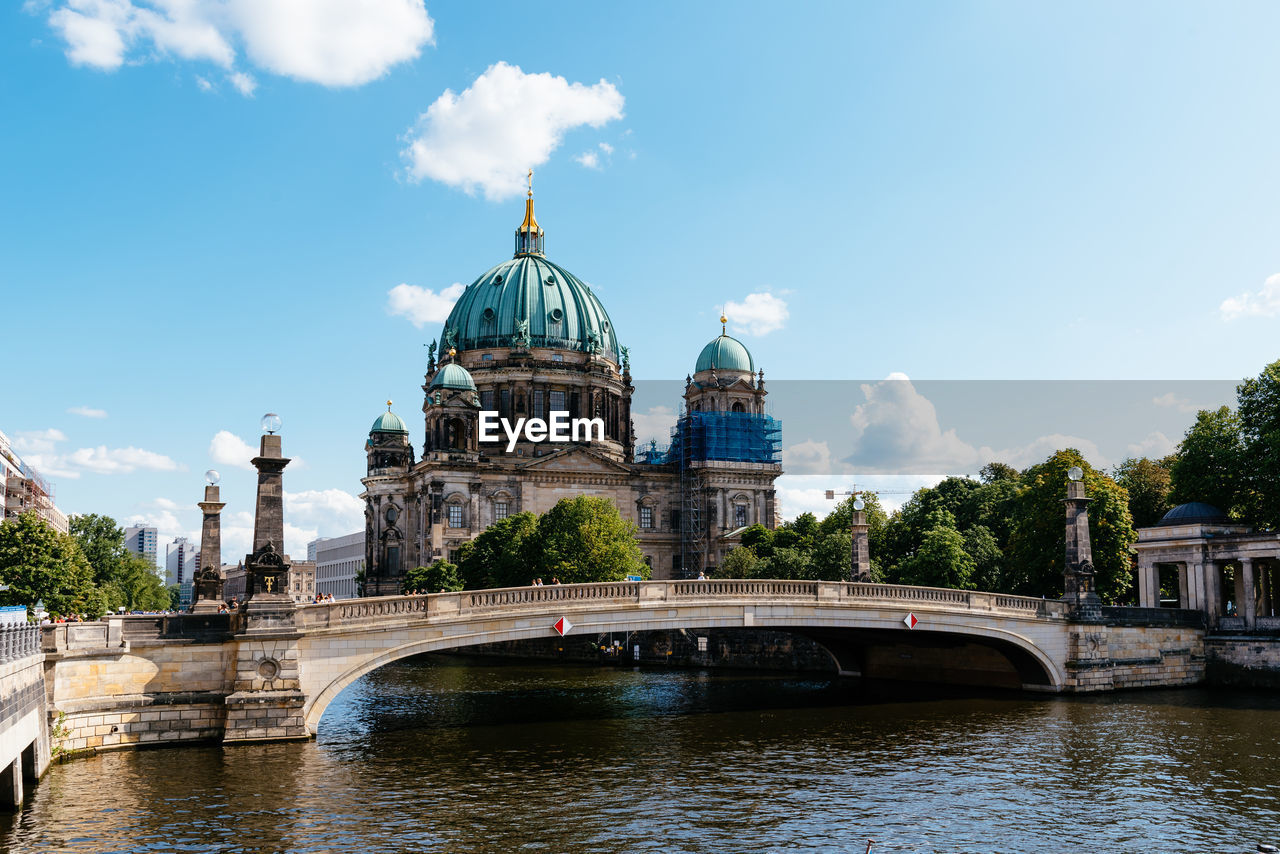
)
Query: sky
[{"x": 212, "y": 209}]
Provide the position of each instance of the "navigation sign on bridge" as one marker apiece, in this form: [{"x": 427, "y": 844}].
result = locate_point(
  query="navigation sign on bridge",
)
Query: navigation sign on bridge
[
  {"x": 562, "y": 626},
  {"x": 910, "y": 620}
]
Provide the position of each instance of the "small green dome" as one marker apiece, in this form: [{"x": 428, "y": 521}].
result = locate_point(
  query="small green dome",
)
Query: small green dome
[
  {"x": 453, "y": 376},
  {"x": 725, "y": 354},
  {"x": 389, "y": 422}
]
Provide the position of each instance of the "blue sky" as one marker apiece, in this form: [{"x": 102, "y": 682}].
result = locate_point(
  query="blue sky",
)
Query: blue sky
[{"x": 207, "y": 205}]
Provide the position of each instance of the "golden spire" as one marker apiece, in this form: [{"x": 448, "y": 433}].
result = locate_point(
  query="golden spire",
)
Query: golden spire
[
  {"x": 388, "y": 406},
  {"x": 723, "y": 321},
  {"x": 530, "y": 221}
]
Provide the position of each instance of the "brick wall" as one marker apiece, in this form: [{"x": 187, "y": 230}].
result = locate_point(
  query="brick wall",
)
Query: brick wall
[{"x": 1243, "y": 661}]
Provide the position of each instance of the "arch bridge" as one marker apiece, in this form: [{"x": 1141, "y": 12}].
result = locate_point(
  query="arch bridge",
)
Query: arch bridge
[{"x": 958, "y": 635}]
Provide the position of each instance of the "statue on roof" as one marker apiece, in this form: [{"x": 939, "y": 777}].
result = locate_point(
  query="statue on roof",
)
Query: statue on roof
[{"x": 521, "y": 339}]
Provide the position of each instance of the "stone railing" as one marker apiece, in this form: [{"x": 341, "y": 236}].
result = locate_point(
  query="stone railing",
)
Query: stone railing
[
  {"x": 1177, "y": 617},
  {"x": 647, "y": 593},
  {"x": 18, "y": 640}
]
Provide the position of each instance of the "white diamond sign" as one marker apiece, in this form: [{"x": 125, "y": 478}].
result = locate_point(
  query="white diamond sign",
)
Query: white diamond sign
[
  {"x": 910, "y": 620},
  {"x": 562, "y": 626}
]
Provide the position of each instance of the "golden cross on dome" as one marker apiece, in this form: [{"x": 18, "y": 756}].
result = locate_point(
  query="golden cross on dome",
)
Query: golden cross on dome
[{"x": 531, "y": 183}]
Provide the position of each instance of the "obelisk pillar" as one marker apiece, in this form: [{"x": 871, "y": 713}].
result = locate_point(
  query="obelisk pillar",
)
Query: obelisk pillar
[
  {"x": 268, "y": 604},
  {"x": 209, "y": 582},
  {"x": 1078, "y": 578}
]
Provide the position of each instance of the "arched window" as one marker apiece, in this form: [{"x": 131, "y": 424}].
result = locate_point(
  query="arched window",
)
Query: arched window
[
  {"x": 738, "y": 407},
  {"x": 457, "y": 434}
]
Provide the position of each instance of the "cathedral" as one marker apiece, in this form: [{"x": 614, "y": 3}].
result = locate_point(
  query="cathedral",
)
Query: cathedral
[{"x": 528, "y": 340}]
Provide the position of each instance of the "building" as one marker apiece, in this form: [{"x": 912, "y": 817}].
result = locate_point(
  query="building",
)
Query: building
[
  {"x": 302, "y": 581},
  {"x": 528, "y": 339},
  {"x": 339, "y": 564},
  {"x": 141, "y": 540},
  {"x": 233, "y": 584},
  {"x": 181, "y": 567},
  {"x": 22, "y": 489}
]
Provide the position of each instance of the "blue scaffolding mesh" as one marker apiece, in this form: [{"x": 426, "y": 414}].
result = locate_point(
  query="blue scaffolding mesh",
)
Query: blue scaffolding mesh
[{"x": 728, "y": 436}]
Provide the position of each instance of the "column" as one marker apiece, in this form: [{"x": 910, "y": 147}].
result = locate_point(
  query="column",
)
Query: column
[
  {"x": 1148, "y": 593},
  {"x": 1184, "y": 586},
  {"x": 1248, "y": 593}
]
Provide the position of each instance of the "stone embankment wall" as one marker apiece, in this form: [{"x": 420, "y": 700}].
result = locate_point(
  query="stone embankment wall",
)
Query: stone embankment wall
[
  {"x": 1243, "y": 661},
  {"x": 24, "y": 733},
  {"x": 1115, "y": 656},
  {"x": 110, "y": 690}
]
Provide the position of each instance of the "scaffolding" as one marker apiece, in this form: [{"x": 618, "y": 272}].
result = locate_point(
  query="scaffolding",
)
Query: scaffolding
[{"x": 708, "y": 437}]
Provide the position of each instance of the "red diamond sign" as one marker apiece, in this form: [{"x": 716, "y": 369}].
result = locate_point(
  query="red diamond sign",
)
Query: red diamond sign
[
  {"x": 910, "y": 620},
  {"x": 562, "y": 626}
]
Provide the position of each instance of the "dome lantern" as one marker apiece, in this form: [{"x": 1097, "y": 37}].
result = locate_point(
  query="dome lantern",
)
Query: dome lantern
[{"x": 530, "y": 238}]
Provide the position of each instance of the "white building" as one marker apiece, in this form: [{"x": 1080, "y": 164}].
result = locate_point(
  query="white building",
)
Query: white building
[
  {"x": 338, "y": 561},
  {"x": 22, "y": 489},
  {"x": 180, "y": 567},
  {"x": 141, "y": 540}
]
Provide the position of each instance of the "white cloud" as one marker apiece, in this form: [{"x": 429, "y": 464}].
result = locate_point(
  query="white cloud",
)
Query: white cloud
[
  {"x": 244, "y": 83},
  {"x": 1155, "y": 446},
  {"x": 333, "y": 511},
  {"x": 1264, "y": 303},
  {"x": 331, "y": 42},
  {"x": 87, "y": 412},
  {"x": 811, "y": 457},
  {"x": 589, "y": 159},
  {"x": 205, "y": 85},
  {"x": 104, "y": 460},
  {"x": 654, "y": 425},
  {"x": 896, "y": 431},
  {"x": 1169, "y": 399},
  {"x": 230, "y": 450},
  {"x": 502, "y": 124},
  {"x": 606, "y": 148},
  {"x": 758, "y": 314},
  {"x": 423, "y": 305},
  {"x": 37, "y": 441}
]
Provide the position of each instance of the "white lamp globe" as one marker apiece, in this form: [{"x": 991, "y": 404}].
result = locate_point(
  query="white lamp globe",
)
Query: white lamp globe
[
  {"x": 271, "y": 423},
  {"x": 1075, "y": 473},
  {"x": 859, "y": 504},
  {"x": 212, "y": 477}
]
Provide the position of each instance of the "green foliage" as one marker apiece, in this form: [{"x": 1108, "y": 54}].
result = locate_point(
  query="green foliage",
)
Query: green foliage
[
  {"x": 1037, "y": 545},
  {"x": 41, "y": 564},
  {"x": 986, "y": 509},
  {"x": 584, "y": 539},
  {"x": 102, "y": 542},
  {"x": 983, "y": 548},
  {"x": 440, "y": 577},
  {"x": 741, "y": 562},
  {"x": 941, "y": 559},
  {"x": 800, "y": 533},
  {"x": 175, "y": 597},
  {"x": 1148, "y": 484},
  {"x": 503, "y": 556},
  {"x": 136, "y": 587},
  {"x": 1258, "y": 400},
  {"x": 1209, "y": 461},
  {"x": 787, "y": 562},
  {"x": 759, "y": 539},
  {"x": 832, "y": 556}
]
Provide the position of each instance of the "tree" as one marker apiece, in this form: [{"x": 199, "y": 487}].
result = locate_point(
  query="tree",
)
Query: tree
[
  {"x": 832, "y": 557},
  {"x": 504, "y": 555},
  {"x": 800, "y": 533},
  {"x": 1258, "y": 401},
  {"x": 786, "y": 562},
  {"x": 994, "y": 472},
  {"x": 40, "y": 564},
  {"x": 584, "y": 539},
  {"x": 759, "y": 539},
  {"x": 740, "y": 562},
  {"x": 440, "y": 577},
  {"x": 1209, "y": 461},
  {"x": 102, "y": 542},
  {"x": 136, "y": 587},
  {"x": 1147, "y": 482},
  {"x": 988, "y": 557},
  {"x": 1037, "y": 545},
  {"x": 941, "y": 559}
]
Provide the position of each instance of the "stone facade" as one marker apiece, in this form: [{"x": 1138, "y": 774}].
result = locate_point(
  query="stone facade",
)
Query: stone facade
[{"x": 1243, "y": 661}]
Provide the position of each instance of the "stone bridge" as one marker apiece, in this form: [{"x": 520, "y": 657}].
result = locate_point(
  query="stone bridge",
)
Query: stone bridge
[{"x": 135, "y": 680}]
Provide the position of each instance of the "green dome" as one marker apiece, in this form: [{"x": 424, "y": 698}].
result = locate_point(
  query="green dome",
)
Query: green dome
[
  {"x": 725, "y": 354},
  {"x": 561, "y": 310},
  {"x": 389, "y": 422},
  {"x": 453, "y": 376}
]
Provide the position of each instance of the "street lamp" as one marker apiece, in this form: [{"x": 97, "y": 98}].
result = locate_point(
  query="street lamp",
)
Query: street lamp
[{"x": 270, "y": 423}]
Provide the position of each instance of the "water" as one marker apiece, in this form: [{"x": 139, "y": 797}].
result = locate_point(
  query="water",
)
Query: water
[{"x": 435, "y": 756}]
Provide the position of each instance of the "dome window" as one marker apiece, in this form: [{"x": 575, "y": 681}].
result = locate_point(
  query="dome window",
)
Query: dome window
[
  {"x": 551, "y": 280},
  {"x": 555, "y": 315},
  {"x": 497, "y": 280},
  {"x": 605, "y": 326},
  {"x": 488, "y": 315}
]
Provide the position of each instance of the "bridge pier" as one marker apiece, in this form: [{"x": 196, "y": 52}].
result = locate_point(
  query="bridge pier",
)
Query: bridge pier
[{"x": 267, "y": 701}]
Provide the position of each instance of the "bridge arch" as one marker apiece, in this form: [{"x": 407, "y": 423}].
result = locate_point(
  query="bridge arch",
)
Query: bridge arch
[{"x": 344, "y": 641}]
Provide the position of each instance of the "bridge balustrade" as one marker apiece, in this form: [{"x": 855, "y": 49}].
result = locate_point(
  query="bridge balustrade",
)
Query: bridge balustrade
[
  {"x": 18, "y": 641},
  {"x": 349, "y": 612}
]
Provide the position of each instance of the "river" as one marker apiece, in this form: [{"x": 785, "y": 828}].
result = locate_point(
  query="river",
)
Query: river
[{"x": 456, "y": 755}]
